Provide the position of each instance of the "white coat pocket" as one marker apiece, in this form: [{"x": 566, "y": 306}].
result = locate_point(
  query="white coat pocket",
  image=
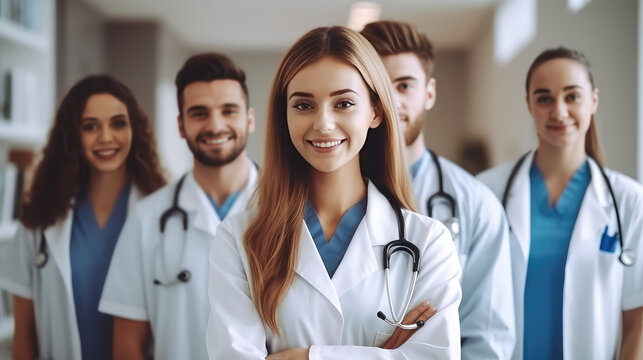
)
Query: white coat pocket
[{"x": 380, "y": 339}]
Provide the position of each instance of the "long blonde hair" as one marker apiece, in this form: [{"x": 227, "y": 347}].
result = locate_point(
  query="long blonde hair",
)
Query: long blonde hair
[{"x": 272, "y": 238}]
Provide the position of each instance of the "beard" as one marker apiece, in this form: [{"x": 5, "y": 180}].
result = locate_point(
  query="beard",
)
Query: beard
[
  {"x": 217, "y": 157},
  {"x": 414, "y": 127}
]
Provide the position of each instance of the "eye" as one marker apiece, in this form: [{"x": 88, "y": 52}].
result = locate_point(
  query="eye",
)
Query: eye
[
  {"x": 229, "y": 112},
  {"x": 543, "y": 100},
  {"x": 573, "y": 97},
  {"x": 303, "y": 106},
  {"x": 198, "y": 114},
  {"x": 344, "y": 104},
  {"x": 404, "y": 86},
  {"x": 119, "y": 123},
  {"x": 89, "y": 127}
]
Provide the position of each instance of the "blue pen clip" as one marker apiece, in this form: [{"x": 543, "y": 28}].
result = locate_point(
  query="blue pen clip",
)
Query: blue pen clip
[{"x": 608, "y": 243}]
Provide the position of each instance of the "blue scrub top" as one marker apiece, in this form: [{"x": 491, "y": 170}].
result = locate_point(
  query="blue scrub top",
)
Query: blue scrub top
[
  {"x": 551, "y": 231},
  {"x": 223, "y": 210},
  {"x": 415, "y": 168},
  {"x": 333, "y": 251},
  {"x": 91, "y": 250}
]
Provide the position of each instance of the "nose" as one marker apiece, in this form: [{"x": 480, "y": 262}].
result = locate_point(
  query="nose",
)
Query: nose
[
  {"x": 216, "y": 123},
  {"x": 324, "y": 122},
  {"x": 559, "y": 110},
  {"x": 105, "y": 135}
]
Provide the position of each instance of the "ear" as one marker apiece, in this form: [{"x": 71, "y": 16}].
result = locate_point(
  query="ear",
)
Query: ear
[
  {"x": 251, "y": 120},
  {"x": 594, "y": 101},
  {"x": 377, "y": 117},
  {"x": 430, "y": 94},
  {"x": 179, "y": 120}
]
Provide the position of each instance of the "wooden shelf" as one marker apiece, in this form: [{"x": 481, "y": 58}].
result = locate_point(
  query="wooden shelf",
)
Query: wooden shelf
[
  {"x": 22, "y": 136},
  {"x": 21, "y": 36}
]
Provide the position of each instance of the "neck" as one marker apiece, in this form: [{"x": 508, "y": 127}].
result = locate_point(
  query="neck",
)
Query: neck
[
  {"x": 559, "y": 161},
  {"x": 221, "y": 181},
  {"x": 558, "y": 165},
  {"x": 332, "y": 194},
  {"x": 414, "y": 151},
  {"x": 103, "y": 191}
]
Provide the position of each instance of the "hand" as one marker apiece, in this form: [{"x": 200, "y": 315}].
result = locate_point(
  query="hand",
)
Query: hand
[
  {"x": 423, "y": 312},
  {"x": 290, "y": 354}
]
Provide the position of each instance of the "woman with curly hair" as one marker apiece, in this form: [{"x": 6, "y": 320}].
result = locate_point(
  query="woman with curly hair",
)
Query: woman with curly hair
[{"x": 100, "y": 159}]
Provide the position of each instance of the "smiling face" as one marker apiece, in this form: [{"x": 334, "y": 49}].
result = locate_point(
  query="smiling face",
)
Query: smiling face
[
  {"x": 105, "y": 133},
  {"x": 414, "y": 95},
  {"x": 215, "y": 121},
  {"x": 561, "y": 100},
  {"x": 329, "y": 113}
]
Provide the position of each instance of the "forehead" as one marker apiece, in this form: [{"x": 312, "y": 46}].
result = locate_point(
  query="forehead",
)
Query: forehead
[
  {"x": 403, "y": 65},
  {"x": 99, "y": 105},
  {"x": 559, "y": 73},
  {"x": 327, "y": 75},
  {"x": 213, "y": 93}
]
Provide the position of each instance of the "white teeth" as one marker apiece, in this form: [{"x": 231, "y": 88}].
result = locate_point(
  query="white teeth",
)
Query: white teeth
[
  {"x": 326, "y": 144},
  {"x": 217, "y": 141},
  {"x": 106, "y": 152}
]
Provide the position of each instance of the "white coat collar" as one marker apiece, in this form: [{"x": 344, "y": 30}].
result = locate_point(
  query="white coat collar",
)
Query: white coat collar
[
  {"x": 377, "y": 228},
  {"x": 195, "y": 201},
  {"x": 594, "y": 207},
  {"x": 58, "y": 239}
]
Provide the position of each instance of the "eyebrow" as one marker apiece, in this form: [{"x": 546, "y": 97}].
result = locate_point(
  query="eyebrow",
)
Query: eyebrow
[
  {"x": 547, "y": 91},
  {"x": 334, "y": 93},
  {"x": 195, "y": 108},
  {"x": 89, "y": 118},
  {"x": 405, "y": 78}
]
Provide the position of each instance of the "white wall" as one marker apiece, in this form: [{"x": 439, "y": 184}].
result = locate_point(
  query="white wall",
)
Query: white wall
[{"x": 605, "y": 30}]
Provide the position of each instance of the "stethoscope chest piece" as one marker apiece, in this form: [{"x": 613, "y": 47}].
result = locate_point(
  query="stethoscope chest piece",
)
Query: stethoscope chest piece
[
  {"x": 627, "y": 257},
  {"x": 40, "y": 260}
]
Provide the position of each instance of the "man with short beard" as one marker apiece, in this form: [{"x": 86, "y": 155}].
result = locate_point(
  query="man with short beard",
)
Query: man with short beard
[
  {"x": 156, "y": 287},
  {"x": 472, "y": 213}
]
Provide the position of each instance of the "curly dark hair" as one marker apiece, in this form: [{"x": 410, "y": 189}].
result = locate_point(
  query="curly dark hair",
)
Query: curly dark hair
[{"x": 64, "y": 170}]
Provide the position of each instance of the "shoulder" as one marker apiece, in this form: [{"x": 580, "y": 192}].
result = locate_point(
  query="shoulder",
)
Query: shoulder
[
  {"x": 496, "y": 178},
  {"x": 466, "y": 183},
  {"x": 626, "y": 189},
  {"x": 423, "y": 230},
  {"x": 156, "y": 202}
]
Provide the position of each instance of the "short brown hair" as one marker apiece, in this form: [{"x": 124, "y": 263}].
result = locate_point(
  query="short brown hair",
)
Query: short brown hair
[
  {"x": 208, "y": 67},
  {"x": 395, "y": 37}
]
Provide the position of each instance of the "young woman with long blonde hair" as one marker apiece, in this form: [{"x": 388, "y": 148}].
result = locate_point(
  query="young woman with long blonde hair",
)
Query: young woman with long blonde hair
[{"x": 302, "y": 276}]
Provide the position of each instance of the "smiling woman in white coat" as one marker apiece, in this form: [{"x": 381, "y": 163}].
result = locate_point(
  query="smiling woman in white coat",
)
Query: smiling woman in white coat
[
  {"x": 302, "y": 276},
  {"x": 577, "y": 256},
  {"x": 99, "y": 159}
]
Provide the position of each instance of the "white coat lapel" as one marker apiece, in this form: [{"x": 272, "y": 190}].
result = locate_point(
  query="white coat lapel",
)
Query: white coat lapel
[
  {"x": 311, "y": 268},
  {"x": 248, "y": 190},
  {"x": 518, "y": 206},
  {"x": 594, "y": 212},
  {"x": 195, "y": 202},
  {"x": 58, "y": 238},
  {"x": 378, "y": 227}
]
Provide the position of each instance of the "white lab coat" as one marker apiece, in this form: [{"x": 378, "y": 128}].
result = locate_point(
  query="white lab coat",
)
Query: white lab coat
[
  {"x": 336, "y": 317},
  {"x": 597, "y": 288},
  {"x": 177, "y": 313},
  {"x": 487, "y": 324},
  {"x": 49, "y": 288}
]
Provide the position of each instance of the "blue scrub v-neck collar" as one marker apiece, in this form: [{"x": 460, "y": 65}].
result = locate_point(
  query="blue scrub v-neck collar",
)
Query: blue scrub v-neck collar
[
  {"x": 223, "y": 210},
  {"x": 567, "y": 201},
  {"x": 415, "y": 168},
  {"x": 85, "y": 212},
  {"x": 333, "y": 251}
]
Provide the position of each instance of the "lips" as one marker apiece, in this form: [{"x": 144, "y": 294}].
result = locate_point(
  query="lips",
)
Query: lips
[
  {"x": 211, "y": 139},
  {"x": 106, "y": 154},
  {"x": 324, "y": 145}
]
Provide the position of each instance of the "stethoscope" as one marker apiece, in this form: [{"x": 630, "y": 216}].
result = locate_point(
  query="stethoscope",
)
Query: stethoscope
[
  {"x": 182, "y": 276},
  {"x": 452, "y": 223},
  {"x": 627, "y": 256},
  {"x": 389, "y": 249}
]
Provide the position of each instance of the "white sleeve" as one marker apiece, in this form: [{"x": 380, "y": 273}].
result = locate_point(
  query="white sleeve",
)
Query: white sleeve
[
  {"x": 632, "y": 215},
  {"x": 124, "y": 290},
  {"x": 235, "y": 329},
  {"x": 17, "y": 263},
  {"x": 439, "y": 282},
  {"x": 487, "y": 311}
]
